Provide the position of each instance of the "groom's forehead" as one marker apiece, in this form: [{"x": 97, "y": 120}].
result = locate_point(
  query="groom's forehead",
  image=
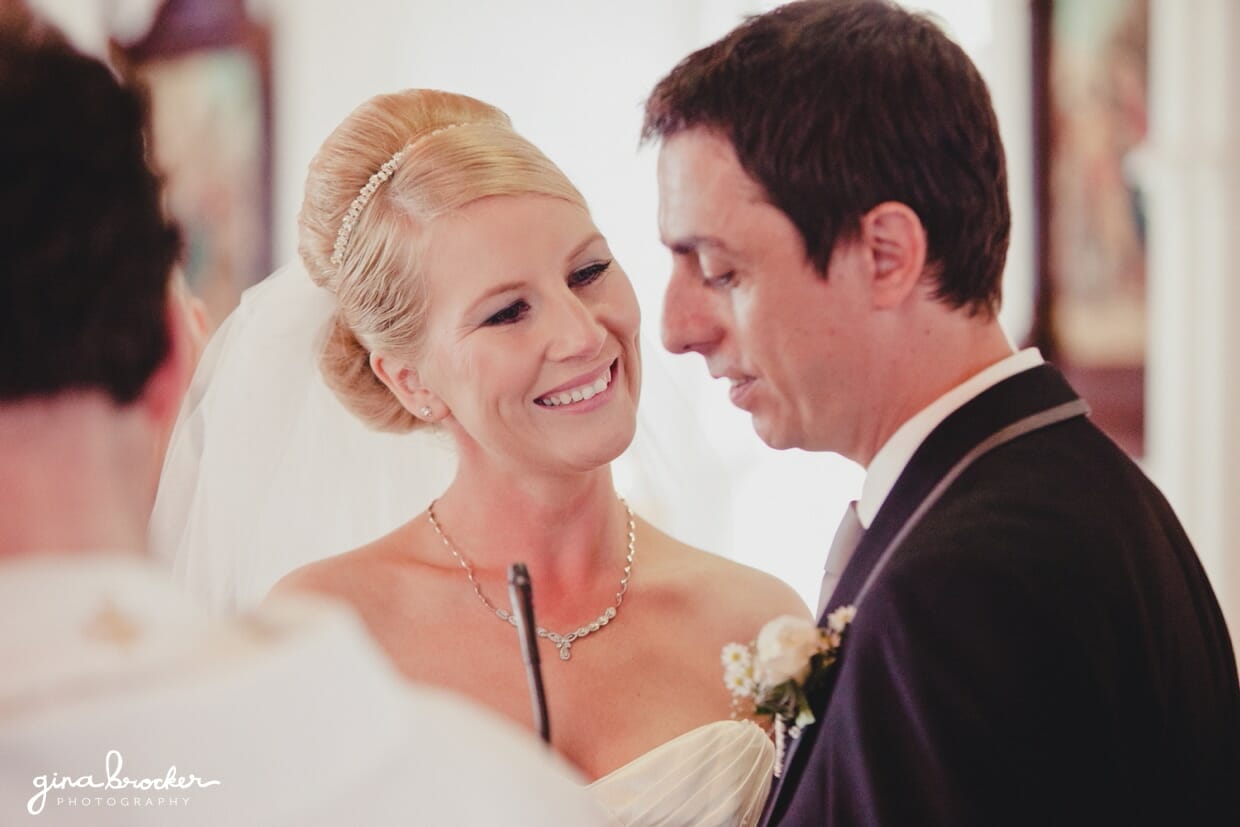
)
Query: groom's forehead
[
  {"x": 703, "y": 158},
  {"x": 702, "y": 188}
]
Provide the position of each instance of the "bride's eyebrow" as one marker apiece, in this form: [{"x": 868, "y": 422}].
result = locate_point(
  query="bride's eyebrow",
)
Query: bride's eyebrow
[
  {"x": 492, "y": 292},
  {"x": 580, "y": 248},
  {"x": 517, "y": 285}
]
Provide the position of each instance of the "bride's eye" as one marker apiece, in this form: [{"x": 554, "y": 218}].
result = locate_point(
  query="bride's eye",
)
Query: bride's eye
[
  {"x": 588, "y": 274},
  {"x": 512, "y": 313}
]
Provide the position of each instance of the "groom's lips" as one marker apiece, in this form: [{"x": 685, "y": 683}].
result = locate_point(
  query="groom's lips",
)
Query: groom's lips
[{"x": 739, "y": 392}]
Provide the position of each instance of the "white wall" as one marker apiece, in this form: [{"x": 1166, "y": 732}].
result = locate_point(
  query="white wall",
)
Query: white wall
[
  {"x": 573, "y": 75},
  {"x": 1193, "y": 383}
]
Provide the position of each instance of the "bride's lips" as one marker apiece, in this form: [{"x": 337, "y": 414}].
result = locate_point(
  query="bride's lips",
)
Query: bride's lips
[{"x": 581, "y": 393}]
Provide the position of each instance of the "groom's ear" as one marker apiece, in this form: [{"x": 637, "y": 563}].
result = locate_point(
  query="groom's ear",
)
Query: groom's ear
[
  {"x": 402, "y": 379},
  {"x": 895, "y": 239}
]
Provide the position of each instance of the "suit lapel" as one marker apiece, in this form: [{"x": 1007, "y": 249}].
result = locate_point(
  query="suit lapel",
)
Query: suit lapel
[
  {"x": 1019, "y": 397},
  {"x": 1026, "y": 394}
]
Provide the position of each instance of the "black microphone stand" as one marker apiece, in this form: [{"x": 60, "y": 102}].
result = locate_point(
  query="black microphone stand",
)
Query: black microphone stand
[{"x": 521, "y": 597}]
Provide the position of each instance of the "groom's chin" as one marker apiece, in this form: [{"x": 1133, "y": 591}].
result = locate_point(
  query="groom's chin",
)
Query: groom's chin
[{"x": 775, "y": 437}]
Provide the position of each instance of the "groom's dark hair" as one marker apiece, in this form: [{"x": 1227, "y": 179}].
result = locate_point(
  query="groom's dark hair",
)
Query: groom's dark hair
[
  {"x": 835, "y": 106},
  {"x": 87, "y": 250}
]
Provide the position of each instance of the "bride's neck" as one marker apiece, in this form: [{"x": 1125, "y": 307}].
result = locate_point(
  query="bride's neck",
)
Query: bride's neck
[{"x": 566, "y": 529}]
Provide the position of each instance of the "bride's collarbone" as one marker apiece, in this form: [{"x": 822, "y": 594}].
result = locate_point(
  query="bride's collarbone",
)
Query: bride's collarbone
[
  {"x": 431, "y": 613},
  {"x": 622, "y": 692},
  {"x": 648, "y": 675}
]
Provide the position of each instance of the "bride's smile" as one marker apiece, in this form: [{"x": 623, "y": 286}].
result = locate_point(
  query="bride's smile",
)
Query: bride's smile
[
  {"x": 526, "y": 327},
  {"x": 580, "y": 390}
]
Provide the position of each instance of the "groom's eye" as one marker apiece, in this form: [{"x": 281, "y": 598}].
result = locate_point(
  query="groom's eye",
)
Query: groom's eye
[
  {"x": 721, "y": 280},
  {"x": 512, "y": 313}
]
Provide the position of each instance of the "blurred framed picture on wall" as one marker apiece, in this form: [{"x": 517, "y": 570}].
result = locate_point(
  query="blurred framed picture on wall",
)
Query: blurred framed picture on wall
[
  {"x": 1090, "y": 97},
  {"x": 207, "y": 66}
]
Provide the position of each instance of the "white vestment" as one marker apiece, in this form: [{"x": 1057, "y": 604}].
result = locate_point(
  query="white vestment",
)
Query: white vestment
[{"x": 114, "y": 682}]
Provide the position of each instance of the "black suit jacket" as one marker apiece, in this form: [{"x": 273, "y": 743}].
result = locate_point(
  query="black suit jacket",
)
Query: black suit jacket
[{"x": 1042, "y": 647}]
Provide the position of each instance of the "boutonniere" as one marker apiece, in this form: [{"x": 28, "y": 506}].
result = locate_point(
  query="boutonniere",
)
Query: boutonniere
[{"x": 775, "y": 674}]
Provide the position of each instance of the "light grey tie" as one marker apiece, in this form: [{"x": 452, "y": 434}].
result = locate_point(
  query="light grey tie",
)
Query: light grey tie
[{"x": 847, "y": 537}]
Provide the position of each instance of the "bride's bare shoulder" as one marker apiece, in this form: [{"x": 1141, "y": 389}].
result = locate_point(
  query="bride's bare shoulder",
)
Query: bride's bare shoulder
[
  {"x": 350, "y": 574},
  {"x": 716, "y": 584}
]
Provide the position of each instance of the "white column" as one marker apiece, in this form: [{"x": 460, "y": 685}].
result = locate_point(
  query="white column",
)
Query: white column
[{"x": 1194, "y": 278}]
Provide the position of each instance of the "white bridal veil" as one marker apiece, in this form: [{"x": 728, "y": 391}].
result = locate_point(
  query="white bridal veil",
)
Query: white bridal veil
[{"x": 266, "y": 471}]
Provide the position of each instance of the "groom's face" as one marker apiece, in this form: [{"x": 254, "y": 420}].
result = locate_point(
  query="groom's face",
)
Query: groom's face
[{"x": 743, "y": 294}]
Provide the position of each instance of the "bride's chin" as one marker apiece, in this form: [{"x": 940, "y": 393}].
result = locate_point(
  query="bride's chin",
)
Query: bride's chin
[
  {"x": 627, "y": 432},
  {"x": 609, "y": 449},
  {"x": 613, "y": 450}
]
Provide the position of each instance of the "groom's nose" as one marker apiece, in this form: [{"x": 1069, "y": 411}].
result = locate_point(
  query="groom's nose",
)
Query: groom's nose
[{"x": 690, "y": 320}]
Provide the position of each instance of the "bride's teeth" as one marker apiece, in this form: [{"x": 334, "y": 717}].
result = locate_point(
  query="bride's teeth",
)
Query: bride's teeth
[{"x": 578, "y": 394}]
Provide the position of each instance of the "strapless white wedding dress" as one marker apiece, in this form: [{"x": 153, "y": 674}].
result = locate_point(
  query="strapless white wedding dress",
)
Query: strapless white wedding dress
[{"x": 717, "y": 775}]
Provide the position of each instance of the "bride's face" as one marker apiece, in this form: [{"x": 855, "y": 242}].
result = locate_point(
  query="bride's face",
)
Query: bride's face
[{"x": 531, "y": 339}]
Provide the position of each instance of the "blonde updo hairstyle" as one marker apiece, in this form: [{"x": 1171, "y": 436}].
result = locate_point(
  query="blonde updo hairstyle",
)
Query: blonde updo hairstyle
[{"x": 457, "y": 151}]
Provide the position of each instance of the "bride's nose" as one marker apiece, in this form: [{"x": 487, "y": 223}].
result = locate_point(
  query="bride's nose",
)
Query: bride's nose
[{"x": 576, "y": 331}]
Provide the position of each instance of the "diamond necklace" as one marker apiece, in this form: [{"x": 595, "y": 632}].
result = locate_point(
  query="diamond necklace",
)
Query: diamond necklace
[{"x": 562, "y": 642}]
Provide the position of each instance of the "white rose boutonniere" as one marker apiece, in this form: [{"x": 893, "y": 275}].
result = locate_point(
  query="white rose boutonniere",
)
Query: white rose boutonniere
[
  {"x": 774, "y": 674},
  {"x": 784, "y": 649}
]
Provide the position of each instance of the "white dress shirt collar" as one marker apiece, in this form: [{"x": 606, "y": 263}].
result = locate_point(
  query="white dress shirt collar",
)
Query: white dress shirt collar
[{"x": 890, "y": 460}]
